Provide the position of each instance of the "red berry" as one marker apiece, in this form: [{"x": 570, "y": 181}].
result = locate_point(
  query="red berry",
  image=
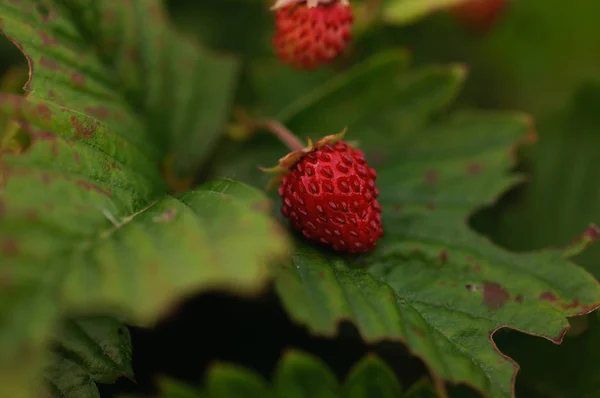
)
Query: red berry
[
  {"x": 306, "y": 37},
  {"x": 479, "y": 14},
  {"x": 330, "y": 196}
]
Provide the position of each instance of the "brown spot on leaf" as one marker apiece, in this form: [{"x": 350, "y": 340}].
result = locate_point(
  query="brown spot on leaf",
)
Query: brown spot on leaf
[
  {"x": 321, "y": 275},
  {"x": 262, "y": 206},
  {"x": 431, "y": 177},
  {"x": 51, "y": 94},
  {"x": 494, "y": 295},
  {"x": 475, "y": 168},
  {"x": 2, "y": 208},
  {"x": 431, "y": 206},
  {"x": 166, "y": 216},
  {"x": 574, "y": 304},
  {"x": 45, "y": 178},
  {"x": 111, "y": 166},
  {"x": 548, "y": 296},
  {"x": 418, "y": 331},
  {"x": 110, "y": 16},
  {"x": 45, "y": 12},
  {"x": 100, "y": 112},
  {"x": 78, "y": 79},
  {"x": 444, "y": 256},
  {"x": 397, "y": 208},
  {"x": 81, "y": 130},
  {"x": 47, "y": 40},
  {"x": 519, "y": 299},
  {"x": 476, "y": 268},
  {"x": 76, "y": 158},
  {"x": 49, "y": 63},
  {"x": 44, "y": 112},
  {"x": 31, "y": 215},
  {"x": 89, "y": 186},
  {"x": 10, "y": 247},
  {"x": 132, "y": 54}
]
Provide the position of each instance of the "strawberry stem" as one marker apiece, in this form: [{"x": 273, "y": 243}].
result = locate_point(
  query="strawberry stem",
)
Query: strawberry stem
[
  {"x": 272, "y": 126},
  {"x": 281, "y": 132}
]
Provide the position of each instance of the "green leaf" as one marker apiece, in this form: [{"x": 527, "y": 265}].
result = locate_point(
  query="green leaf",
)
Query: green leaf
[
  {"x": 10, "y": 82},
  {"x": 122, "y": 64},
  {"x": 432, "y": 283},
  {"x": 401, "y": 12},
  {"x": 298, "y": 375},
  {"x": 86, "y": 224},
  {"x": 520, "y": 62},
  {"x": 225, "y": 380},
  {"x": 380, "y": 100},
  {"x": 562, "y": 183},
  {"x": 245, "y": 32},
  {"x": 565, "y": 371},
  {"x": 371, "y": 378},
  {"x": 89, "y": 350}
]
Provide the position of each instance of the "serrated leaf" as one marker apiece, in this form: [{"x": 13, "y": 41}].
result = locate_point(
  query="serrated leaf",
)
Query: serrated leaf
[
  {"x": 298, "y": 375},
  {"x": 433, "y": 282},
  {"x": 10, "y": 82},
  {"x": 371, "y": 378},
  {"x": 231, "y": 381},
  {"x": 108, "y": 58},
  {"x": 562, "y": 183},
  {"x": 85, "y": 221},
  {"x": 380, "y": 89},
  {"x": 67, "y": 379},
  {"x": 565, "y": 371},
  {"x": 89, "y": 350},
  {"x": 401, "y": 12},
  {"x": 380, "y": 100}
]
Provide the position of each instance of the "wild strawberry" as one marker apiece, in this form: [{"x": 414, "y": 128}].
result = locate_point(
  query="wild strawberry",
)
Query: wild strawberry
[
  {"x": 479, "y": 14},
  {"x": 329, "y": 194},
  {"x": 309, "y": 33}
]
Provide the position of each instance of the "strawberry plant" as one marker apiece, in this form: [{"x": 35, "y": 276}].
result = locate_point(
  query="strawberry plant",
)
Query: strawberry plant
[{"x": 146, "y": 249}]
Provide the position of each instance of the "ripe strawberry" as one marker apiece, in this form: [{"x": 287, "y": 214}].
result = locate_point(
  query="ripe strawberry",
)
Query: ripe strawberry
[
  {"x": 329, "y": 194},
  {"x": 309, "y": 33},
  {"x": 479, "y": 14}
]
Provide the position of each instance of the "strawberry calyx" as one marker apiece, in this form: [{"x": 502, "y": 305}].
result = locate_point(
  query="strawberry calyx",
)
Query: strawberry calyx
[
  {"x": 287, "y": 162},
  {"x": 309, "y": 3}
]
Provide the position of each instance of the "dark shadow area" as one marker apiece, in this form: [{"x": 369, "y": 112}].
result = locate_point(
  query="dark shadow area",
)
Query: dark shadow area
[{"x": 249, "y": 332}]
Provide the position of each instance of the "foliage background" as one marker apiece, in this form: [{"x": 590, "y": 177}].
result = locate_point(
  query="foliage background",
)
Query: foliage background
[{"x": 543, "y": 58}]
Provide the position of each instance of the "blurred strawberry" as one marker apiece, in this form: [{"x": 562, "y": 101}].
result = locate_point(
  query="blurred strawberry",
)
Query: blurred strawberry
[
  {"x": 309, "y": 33},
  {"x": 479, "y": 15}
]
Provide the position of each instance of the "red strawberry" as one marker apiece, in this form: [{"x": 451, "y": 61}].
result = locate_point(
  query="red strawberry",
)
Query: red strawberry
[
  {"x": 309, "y": 34},
  {"x": 479, "y": 14},
  {"x": 329, "y": 194}
]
